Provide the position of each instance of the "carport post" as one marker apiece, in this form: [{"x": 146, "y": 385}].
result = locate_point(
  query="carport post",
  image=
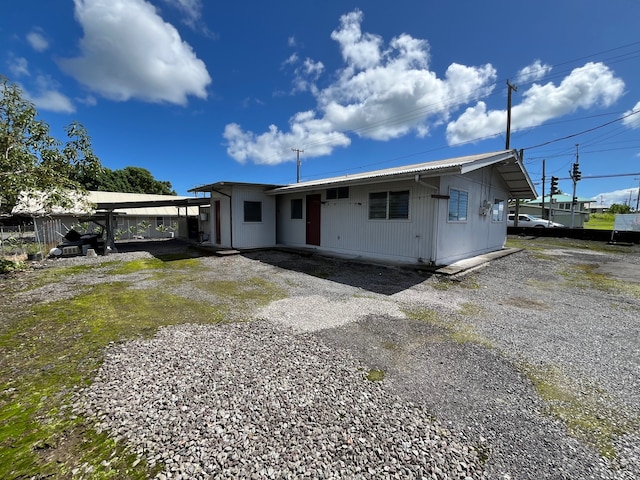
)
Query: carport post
[{"x": 110, "y": 241}]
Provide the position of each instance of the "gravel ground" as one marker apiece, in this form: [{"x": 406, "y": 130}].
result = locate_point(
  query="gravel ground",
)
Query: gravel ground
[{"x": 284, "y": 396}]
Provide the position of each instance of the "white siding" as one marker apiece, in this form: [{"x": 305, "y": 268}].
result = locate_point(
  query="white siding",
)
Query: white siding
[
  {"x": 479, "y": 234},
  {"x": 253, "y": 234},
  {"x": 346, "y": 229}
]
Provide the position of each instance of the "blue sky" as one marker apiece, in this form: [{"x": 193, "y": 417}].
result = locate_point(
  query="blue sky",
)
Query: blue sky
[{"x": 200, "y": 91}]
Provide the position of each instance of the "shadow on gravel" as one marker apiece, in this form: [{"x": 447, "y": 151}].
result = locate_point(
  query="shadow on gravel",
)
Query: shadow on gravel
[
  {"x": 382, "y": 279},
  {"x": 375, "y": 278}
]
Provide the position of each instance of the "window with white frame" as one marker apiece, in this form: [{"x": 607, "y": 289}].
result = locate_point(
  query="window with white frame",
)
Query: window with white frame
[
  {"x": 389, "y": 205},
  {"x": 458, "y": 205},
  {"x": 497, "y": 213}
]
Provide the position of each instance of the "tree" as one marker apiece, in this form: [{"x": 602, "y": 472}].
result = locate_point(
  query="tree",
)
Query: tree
[
  {"x": 619, "y": 208},
  {"x": 32, "y": 161},
  {"x": 129, "y": 180}
]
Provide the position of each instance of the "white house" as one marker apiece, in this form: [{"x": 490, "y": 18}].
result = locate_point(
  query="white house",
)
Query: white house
[{"x": 434, "y": 213}]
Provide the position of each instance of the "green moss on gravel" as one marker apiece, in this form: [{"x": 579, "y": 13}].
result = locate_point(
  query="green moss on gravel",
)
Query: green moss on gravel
[
  {"x": 587, "y": 411},
  {"x": 51, "y": 350}
]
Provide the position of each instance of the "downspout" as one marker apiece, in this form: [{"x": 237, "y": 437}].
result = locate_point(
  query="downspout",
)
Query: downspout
[
  {"x": 230, "y": 214},
  {"x": 434, "y": 239}
]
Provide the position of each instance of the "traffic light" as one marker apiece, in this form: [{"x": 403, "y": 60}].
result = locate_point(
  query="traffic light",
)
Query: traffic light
[
  {"x": 554, "y": 185},
  {"x": 576, "y": 174}
]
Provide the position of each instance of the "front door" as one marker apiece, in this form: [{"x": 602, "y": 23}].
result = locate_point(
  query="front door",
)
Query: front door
[
  {"x": 217, "y": 222},
  {"x": 313, "y": 219}
]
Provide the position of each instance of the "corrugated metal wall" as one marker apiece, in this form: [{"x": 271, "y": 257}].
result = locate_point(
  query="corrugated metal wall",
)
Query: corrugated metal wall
[
  {"x": 253, "y": 234},
  {"x": 347, "y": 229},
  {"x": 479, "y": 234},
  {"x": 427, "y": 236}
]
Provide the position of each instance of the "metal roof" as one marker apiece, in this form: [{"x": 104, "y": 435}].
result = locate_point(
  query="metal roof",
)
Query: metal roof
[
  {"x": 507, "y": 162},
  {"x": 140, "y": 204},
  {"x": 218, "y": 185}
]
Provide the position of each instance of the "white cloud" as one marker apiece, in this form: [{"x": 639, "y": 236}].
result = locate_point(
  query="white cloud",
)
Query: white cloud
[
  {"x": 192, "y": 9},
  {"x": 632, "y": 119},
  {"x": 383, "y": 92},
  {"x": 594, "y": 84},
  {"x": 533, "y": 72},
  {"x": 128, "y": 51},
  {"x": 291, "y": 41},
  {"x": 37, "y": 40},
  {"x": 19, "y": 67},
  {"x": 621, "y": 197},
  {"x": 306, "y": 75},
  {"x": 46, "y": 96},
  {"x": 274, "y": 146}
]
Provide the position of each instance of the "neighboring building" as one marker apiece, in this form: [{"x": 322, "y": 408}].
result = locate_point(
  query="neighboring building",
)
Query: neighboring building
[
  {"x": 433, "y": 213},
  {"x": 128, "y": 219},
  {"x": 560, "y": 210}
]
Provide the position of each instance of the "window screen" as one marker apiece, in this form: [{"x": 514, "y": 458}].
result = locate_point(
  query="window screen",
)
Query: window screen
[{"x": 252, "y": 211}]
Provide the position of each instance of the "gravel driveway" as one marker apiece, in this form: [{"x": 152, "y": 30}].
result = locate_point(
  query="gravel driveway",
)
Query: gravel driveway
[{"x": 285, "y": 395}]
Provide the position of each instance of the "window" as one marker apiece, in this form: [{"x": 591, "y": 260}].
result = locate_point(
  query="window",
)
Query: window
[
  {"x": 389, "y": 205},
  {"x": 296, "y": 208},
  {"x": 497, "y": 214},
  {"x": 158, "y": 221},
  {"x": 252, "y": 211},
  {"x": 458, "y": 202},
  {"x": 340, "y": 192}
]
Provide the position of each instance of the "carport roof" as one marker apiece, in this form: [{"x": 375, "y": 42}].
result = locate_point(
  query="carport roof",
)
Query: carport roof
[{"x": 508, "y": 165}]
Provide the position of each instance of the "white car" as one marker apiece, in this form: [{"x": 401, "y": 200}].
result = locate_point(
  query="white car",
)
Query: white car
[{"x": 525, "y": 220}]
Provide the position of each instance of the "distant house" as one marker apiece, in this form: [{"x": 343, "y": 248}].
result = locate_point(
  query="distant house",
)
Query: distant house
[
  {"x": 560, "y": 209},
  {"x": 434, "y": 213}
]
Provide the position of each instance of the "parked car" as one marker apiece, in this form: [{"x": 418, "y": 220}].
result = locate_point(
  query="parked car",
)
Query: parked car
[{"x": 525, "y": 220}]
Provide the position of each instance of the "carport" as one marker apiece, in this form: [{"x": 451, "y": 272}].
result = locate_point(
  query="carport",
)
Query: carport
[{"x": 105, "y": 211}]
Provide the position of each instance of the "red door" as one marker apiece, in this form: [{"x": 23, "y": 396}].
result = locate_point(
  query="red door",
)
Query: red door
[
  {"x": 217, "y": 220},
  {"x": 313, "y": 219}
]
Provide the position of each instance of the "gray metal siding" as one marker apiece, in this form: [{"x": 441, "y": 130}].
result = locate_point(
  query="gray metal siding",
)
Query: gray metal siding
[{"x": 346, "y": 227}]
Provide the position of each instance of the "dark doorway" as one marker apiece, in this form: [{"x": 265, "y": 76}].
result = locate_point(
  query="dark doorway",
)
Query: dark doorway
[
  {"x": 217, "y": 220},
  {"x": 313, "y": 219}
]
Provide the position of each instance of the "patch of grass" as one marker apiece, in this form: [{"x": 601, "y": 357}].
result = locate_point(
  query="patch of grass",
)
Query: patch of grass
[
  {"x": 585, "y": 276},
  {"x": 524, "y": 302},
  {"x": 254, "y": 291},
  {"x": 389, "y": 345},
  {"x": 471, "y": 309},
  {"x": 156, "y": 263},
  {"x": 466, "y": 281},
  {"x": 545, "y": 243},
  {"x": 600, "y": 221},
  {"x": 586, "y": 411},
  {"x": 456, "y": 331},
  {"x": 375, "y": 375},
  {"x": 52, "y": 350}
]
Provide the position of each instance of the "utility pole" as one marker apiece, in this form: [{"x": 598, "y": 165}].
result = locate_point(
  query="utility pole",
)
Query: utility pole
[
  {"x": 638, "y": 197},
  {"x": 544, "y": 215},
  {"x": 515, "y": 89},
  {"x": 298, "y": 152},
  {"x": 575, "y": 175}
]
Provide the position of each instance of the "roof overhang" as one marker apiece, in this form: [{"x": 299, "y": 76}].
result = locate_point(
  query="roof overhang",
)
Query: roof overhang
[
  {"x": 213, "y": 187},
  {"x": 177, "y": 202},
  {"x": 508, "y": 164}
]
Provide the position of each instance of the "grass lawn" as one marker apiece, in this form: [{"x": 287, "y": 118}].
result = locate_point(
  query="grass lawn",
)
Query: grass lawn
[
  {"x": 51, "y": 350},
  {"x": 600, "y": 221}
]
